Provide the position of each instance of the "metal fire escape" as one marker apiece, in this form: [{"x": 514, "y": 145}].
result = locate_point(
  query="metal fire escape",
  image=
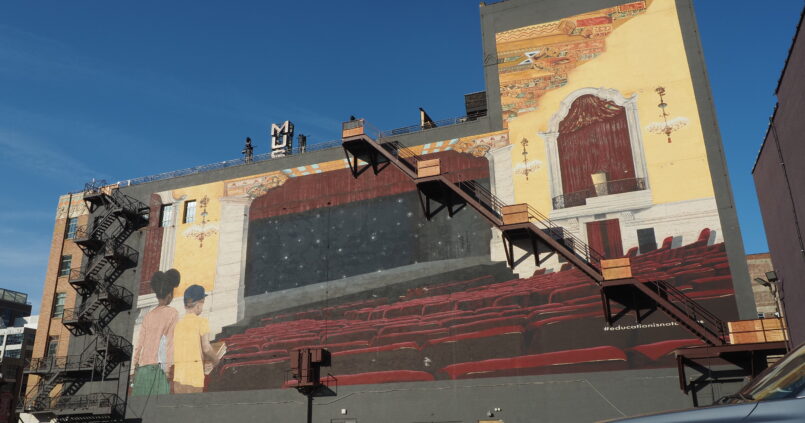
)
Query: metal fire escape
[
  {"x": 366, "y": 149},
  {"x": 107, "y": 256}
]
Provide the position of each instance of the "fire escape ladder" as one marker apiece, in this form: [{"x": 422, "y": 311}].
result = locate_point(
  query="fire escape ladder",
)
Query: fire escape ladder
[
  {"x": 132, "y": 210},
  {"x": 106, "y": 351}
]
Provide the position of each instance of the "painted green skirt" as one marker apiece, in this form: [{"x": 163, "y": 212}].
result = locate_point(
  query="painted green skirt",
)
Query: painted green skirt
[{"x": 150, "y": 380}]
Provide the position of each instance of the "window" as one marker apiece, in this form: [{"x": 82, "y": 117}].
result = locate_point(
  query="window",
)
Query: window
[
  {"x": 189, "y": 211},
  {"x": 58, "y": 304},
  {"x": 53, "y": 346},
  {"x": 14, "y": 339},
  {"x": 64, "y": 265},
  {"x": 2, "y": 339},
  {"x": 646, "y": 240},
  {"x": 72, "y": 225},
  {"x": 12, "y": 354},
  {"x": 167, "y": 215}
]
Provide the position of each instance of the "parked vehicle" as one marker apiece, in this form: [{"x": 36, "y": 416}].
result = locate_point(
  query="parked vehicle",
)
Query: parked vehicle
[{"x": 775, "y": 395}]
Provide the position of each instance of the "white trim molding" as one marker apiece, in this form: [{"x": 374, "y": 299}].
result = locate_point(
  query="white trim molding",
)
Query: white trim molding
[{"x": 635, "y": 137}]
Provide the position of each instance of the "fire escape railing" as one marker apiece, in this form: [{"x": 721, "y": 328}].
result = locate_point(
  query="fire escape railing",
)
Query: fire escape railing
[
  {"x": 107, "y": 256},
  {"x": 570, "y": 241},
  {"x": 709, "y": 321}
]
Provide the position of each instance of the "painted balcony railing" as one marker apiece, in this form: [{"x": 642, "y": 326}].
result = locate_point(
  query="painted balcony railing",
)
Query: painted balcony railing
[{"x": 579, "y": 198}]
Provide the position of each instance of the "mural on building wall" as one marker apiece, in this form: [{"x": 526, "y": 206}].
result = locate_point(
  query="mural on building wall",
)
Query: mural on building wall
[{"x": 311, "y": 256}]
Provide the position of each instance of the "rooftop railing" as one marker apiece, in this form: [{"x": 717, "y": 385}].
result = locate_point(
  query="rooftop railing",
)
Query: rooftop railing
[
  {"x": 13, "y": 296},
  {"x": 296, "y": 151}
]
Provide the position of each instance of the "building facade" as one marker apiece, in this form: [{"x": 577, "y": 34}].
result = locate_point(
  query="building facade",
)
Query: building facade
[
  {"x": 431, "y": 312},
  {"x": 765, "y": 298},
  {"x": 779, "y": 175}
]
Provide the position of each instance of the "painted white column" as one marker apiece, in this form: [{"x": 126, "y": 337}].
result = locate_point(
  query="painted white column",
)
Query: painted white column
[
  {"x": 225, "y": 304},
  {"x": 501, "y": 183}
]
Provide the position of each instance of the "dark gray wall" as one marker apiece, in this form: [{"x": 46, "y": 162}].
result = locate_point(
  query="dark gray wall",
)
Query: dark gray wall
[
  {"x": 580, "y": 397},
  {"x": 780, "y": 182},
  {"x": 355, "y": 238}
]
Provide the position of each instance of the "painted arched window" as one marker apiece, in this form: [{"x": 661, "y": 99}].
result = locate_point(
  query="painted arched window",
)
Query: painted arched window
[{"x": 594, "y": 140}]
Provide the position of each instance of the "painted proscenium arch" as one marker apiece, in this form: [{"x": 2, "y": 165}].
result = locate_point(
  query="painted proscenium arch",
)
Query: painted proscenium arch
[
  {"x": 635, "y": 137},
  {"x": 331, "y": 225}
]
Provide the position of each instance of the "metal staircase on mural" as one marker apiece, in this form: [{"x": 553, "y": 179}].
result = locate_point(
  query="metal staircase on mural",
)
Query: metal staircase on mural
[
  {"x": 365, "y": 149},
  {"x": 107, "y": 257}
]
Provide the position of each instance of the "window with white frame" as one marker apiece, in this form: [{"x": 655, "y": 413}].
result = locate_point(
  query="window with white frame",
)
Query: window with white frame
[
  {"x": 190, "y": 211},
  {"x": 167, "y": 215},
  {"x": 64, "y": 265},
  {"x": 72, "y": 225}
]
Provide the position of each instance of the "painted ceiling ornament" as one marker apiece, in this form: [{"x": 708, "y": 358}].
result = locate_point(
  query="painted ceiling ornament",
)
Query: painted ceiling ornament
[
  {"x": 666, "y": 126},
  {"x": 524, "y": 143},
  {"x": 479, "y": 147},
  {"x": 480, "y": 150},
  {"x": 268, "y": 183},
  {"x": 203, "y": 230},
  {"x": 525, "y": 168}
]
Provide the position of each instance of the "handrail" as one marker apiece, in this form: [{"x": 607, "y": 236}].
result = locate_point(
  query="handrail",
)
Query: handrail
[
  {"x": 691, "y": 308},
  {"x": 110, "y": 400},
  {"x": 560, "y": 234},
  {"x": 435, "y": 124},
  {"x": 483, "y": 195},
  {"x": 94, "y": 186},
  {"x": 227, "y": 163},
  {"x": 402, "y": 153}
]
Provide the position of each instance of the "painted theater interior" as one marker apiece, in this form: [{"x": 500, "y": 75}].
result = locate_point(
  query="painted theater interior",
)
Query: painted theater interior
[{"x": 442, "y": 269}]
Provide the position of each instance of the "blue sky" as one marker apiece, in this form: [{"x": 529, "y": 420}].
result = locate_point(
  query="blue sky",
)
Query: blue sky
[{"x": 117, "y": 90}]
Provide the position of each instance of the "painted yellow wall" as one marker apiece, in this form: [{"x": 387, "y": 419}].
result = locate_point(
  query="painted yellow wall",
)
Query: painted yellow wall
[
  {"x": 641, "y": 54},
  {"x": 194, "y": 259}
]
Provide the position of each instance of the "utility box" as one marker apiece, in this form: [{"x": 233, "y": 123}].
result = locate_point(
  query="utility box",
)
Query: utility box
[
  {"x": 306, "y": 364},
  {"x": 516, "y": 213},
  {"x": 616, "y": 269},
  {"x": 425, "y": 168}
]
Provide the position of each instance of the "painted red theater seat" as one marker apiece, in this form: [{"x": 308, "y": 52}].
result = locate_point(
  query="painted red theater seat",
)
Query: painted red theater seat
[
  {"x": 410, "y": 327},
  {"x": 495, "y": 342},
  {"x": 341, "y": 346},
  {"x": 404, "y": 355},
  {"x": 406, "y": 309},
  {"x": 350, "y": 335},
  {"x": 658, "y": 350},
  {"x": 420, "y": 337},
  {"x": 570, "y": 292},
  {"x": 467, "y": 317},
  {"x": 523, "y": 299},
  {"x": 563, "y": 311},
  {"x": 482, "y": 325},
  {"x": 438, "y": 307},
  {"x": 713, "y": 282},
  {"x": 587, "y": 359},
  {"x": 290, "y": 343},
  {"x": 255, "y": 355}
]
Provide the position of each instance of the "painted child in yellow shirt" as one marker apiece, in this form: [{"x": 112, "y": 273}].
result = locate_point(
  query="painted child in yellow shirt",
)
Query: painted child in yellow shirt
[{"x": 192, "y": 344}]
